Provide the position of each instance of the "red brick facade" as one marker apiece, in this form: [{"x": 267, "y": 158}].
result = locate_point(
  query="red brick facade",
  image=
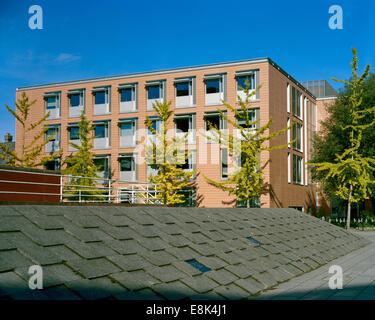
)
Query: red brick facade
[{"x": 272, "y": 102}]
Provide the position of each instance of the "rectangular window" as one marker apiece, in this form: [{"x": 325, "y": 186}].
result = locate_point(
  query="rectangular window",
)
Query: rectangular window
[
  {"x": 297, "y": 169},
  {"x": 216, "y": 121},
  {"x": 296, "y": 102},
  {"x": 215, "y": 85},
  {"x": 184, "y": 92},
  {"x": 53, "y": 165},
  {"x": 102, "y": 134},
  {"x": 127, "y": 133},
  {"x": 74, "y": 133},
  {"x": 155, "y": 92},
  {"x": 53, "y": 133},
  {"x": 100, "y": 131},
  {"x": 100, "y": 97},
  {"x": 127, "y": 168},
  {"x": 247, "y": 78},
  {"x": 241, "y": 82},
  {"x": 190, "y": 161},
  {"x": 52, "y": 102},
  {"x": 185, "y": 124},
  {"x": 128, "y": 97},
  {"x": 103, "y": 168},
  {"x": 297, "y": 135},
  {"x": 248, "y": 126},
  {"x": 101, "y": 100},
  {"x": 74, "y": 137},
  {"x": 189, "y": 197},
  {"x": 252, "y": 117},
  {"x": 156, "y": 125},
  {"x": 182, "y": 89},
  {"x": 76, "y": 102}
]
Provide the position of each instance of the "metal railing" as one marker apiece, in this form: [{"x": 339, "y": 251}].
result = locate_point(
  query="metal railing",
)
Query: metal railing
[{"x": 100, "y": 190}]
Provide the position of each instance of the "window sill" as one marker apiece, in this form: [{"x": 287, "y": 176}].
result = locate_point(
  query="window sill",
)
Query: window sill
[
  {"x": 133, "y": 111},
  {"x": 214, "y": 104},
  {"x": 106, "y": 148},
  {"x": 251, "y": 101},
  {"x": 186, "y": 106},
  {"x": 102, "y": 114}
]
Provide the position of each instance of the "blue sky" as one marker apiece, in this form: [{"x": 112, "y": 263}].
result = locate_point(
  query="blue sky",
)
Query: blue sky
[{"x": 84, "y": 39}]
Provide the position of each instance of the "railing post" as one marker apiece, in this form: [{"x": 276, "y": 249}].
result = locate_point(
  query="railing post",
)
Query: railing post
[
  {"x": 79, "y": 191},
  {"x": 61, "y": 188},
  {"x": 109, "y": 190}
]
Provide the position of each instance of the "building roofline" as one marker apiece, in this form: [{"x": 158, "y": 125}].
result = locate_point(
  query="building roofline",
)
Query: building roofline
[
  {"x": 164, "y": 71},
  {"x": 327, "y": 98}
]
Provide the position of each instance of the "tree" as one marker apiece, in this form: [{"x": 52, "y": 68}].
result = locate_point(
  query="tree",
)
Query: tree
[
  {"x": 246, "y": 182},
  {"x": 31, "y": 154},
  {"x": 81, "y": 165},
  {"x": 166, "y": 154},
  {"x": 350, "y": 175}
]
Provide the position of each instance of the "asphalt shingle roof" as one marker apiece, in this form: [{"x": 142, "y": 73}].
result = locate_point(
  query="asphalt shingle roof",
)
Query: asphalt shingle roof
[{"x": 98, "y": 252}]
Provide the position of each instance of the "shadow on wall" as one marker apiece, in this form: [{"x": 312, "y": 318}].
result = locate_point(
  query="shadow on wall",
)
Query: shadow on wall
[{"x": 324, "y": 208}]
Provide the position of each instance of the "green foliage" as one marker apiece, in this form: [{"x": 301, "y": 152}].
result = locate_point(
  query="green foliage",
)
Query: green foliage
[
  {"x": 333, "y": 140},
  {"x": 351, "y": 174},
  {"x": 246, "y": 182},
  {"x": 32, "y": 154},
  {"x": 166, "y": 153},
  {"x": 82, "y": 167}
]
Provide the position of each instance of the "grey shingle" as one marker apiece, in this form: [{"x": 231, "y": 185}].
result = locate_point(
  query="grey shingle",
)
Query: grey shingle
[
  {"x": 96, "y": 288},
  {"x": 61, "y": 293},
  {"x": 166, "y": 273},
  {"x": 12, "y": 259},
  {"x": 232, "y": 292},
  {"x": 130, "y": 262},
  {"x": 222, "y": 276},
  {"x": 250, "y": 285},
  {"x": 158, "y": 258},
  {"x": 200, "y": 283},
  {"x": 135, "y": 280},
  {"x": 173, "y": 290},
  {"x": 94, "y": 268}
]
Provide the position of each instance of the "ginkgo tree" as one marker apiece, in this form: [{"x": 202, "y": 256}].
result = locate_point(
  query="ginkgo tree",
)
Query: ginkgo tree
[
  {"x": 245, "y": 178},
  {"x": 353, "y": 172},
  {"x": 81, "y": 166},
  {"x": 31, "y": 154},
  {"x": 165, "y": 153}
]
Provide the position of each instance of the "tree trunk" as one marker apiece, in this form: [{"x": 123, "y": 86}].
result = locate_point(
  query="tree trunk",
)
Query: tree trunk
[{"x": 349, "y": 208}]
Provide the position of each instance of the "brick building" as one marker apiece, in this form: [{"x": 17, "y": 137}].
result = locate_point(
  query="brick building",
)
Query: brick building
[{"x": 118, "y": 106}]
